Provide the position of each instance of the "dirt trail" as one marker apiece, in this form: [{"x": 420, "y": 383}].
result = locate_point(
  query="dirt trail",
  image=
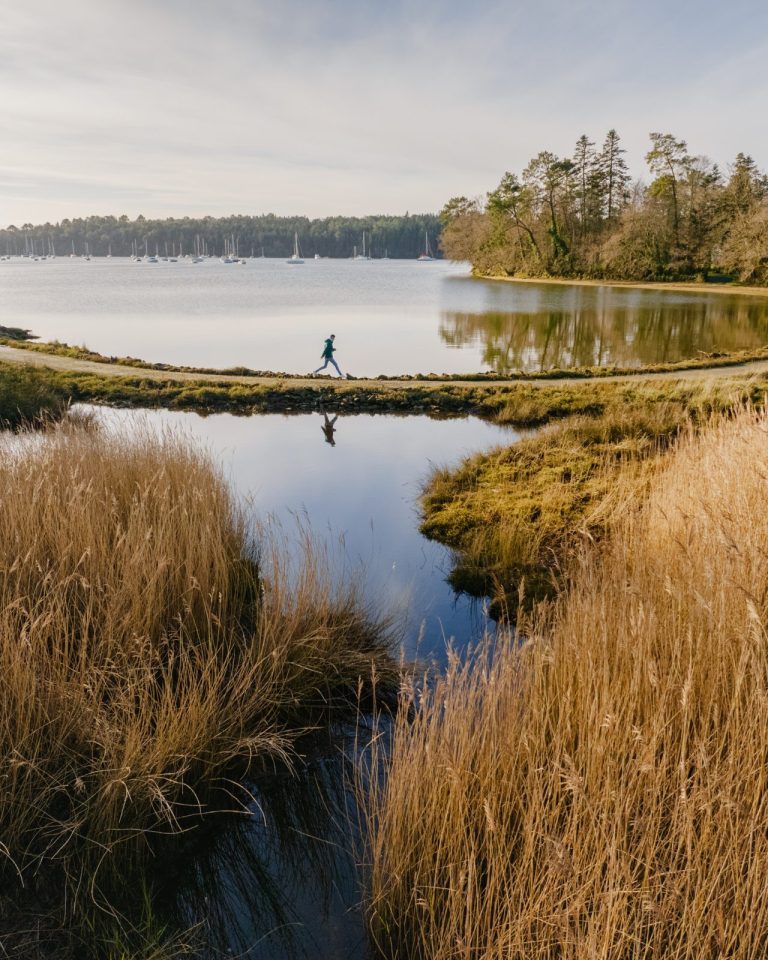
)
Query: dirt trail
[{"x": 55, "y": 362}]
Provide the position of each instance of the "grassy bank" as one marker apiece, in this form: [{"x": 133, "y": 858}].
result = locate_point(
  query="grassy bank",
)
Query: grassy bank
[
  {"x": 514, "y": 516},
  {"x": 702, "y": 361},
  {"x": 514, "y": 403},
  {"x": 599, "y": 791},
  {"x": 150, "y": 651},
  {"x": 26, "y": 396},
  {"x": 15, "y": 335}
]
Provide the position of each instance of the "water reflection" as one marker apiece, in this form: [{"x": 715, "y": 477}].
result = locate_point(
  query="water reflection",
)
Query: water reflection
[
  {"x": 328, "y": 428},
  {"x": 605, "y": 327},
  {"x": 275, "y": 878},
  {"x": 361, "y": 494},
  {"x": 281, "y": 880}
]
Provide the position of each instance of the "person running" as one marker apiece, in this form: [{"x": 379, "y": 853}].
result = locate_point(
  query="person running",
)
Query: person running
[{"x": 327, "y": 355}]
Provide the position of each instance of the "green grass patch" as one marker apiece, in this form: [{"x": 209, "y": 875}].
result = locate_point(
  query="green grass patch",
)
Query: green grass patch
[
  {"x": 515, "y": 515},
  {"x": 29, "y": 396}
]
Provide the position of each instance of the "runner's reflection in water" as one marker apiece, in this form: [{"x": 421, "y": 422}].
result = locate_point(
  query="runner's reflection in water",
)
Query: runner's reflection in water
[{"x": 328, "y": 428}]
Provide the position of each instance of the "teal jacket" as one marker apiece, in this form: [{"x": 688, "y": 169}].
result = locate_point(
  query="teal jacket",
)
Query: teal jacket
[{"x": 328, "y": 351}]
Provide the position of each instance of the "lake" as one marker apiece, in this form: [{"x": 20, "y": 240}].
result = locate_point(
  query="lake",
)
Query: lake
[{"x": 389, "y": 316}]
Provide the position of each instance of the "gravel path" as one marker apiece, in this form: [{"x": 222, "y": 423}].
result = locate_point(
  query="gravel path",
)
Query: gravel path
[{"x": 56, "y": 362}]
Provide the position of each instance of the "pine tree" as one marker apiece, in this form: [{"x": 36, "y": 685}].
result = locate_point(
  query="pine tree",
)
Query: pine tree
[
  {"x": 584, "y": 162},
  {"x": 612, "y": 176}
]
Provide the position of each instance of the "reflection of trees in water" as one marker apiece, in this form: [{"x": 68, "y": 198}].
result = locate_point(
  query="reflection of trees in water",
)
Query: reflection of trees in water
[
  {"x": 599, "y": 335},
  {"x": 276, "y": 879}
]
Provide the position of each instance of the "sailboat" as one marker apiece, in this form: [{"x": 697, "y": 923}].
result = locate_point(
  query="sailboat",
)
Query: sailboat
[
  {"x": 361, "y": 256},
  {"x": 296, "y": 258},
  {"x": 427, "y": 255}
]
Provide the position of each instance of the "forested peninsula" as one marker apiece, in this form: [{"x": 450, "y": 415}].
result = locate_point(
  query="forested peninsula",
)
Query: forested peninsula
[
  {"x": 584, "y": 217},
  {"x": 266, "y": 235}
]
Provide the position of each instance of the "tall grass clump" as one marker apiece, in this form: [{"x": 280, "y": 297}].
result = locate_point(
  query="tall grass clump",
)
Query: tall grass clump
[
  {"x": 598, "y": 789},
  {"x": 149, "y": 650},
  {"x": 28, "y": 396}
]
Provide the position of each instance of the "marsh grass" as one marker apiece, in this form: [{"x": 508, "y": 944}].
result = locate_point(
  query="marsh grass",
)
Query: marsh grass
[
  {"x": 516, "y": 515},
  {"x": 151, "y": 649},
  {"x": 29, "y": 396},
  {"x": 598, "y": 790}
]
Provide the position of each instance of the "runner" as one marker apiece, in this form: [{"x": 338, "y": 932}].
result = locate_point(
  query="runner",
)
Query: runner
[{"x": 327, "y": 355}]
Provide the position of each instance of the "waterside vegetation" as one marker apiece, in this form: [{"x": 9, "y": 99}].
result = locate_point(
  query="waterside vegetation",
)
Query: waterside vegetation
[
  {"x": 524, "y": 400},
  {"x": 595, "y": 785},
  {"x": 15, "y": 334},
  {"x": 157, "y": 653},
  {"x": 516, "y": 516},
  {"x": 583, "y": 216},
  {"x": 27, "y": 397}
]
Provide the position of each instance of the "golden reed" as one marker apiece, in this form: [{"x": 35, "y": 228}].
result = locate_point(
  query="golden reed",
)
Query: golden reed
[{"x": 598, "y": 789}]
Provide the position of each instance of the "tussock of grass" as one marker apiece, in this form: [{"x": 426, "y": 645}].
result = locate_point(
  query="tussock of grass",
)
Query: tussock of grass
[
  {"x": 147, "y": 651},
  {"x": 28, "y": 396},
  {"x": 599, "y": 791}
]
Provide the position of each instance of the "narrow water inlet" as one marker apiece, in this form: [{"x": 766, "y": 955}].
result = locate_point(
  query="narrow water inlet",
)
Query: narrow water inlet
[{"x": 282, "y": 880}]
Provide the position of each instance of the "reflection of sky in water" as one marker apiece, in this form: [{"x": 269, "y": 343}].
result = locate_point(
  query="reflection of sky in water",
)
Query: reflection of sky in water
[{"x": 358, "y": 495}]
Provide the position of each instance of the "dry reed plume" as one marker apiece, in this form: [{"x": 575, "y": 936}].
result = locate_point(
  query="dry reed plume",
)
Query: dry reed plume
[
  {"x": 143, "y": 655},
  {"x": 600, "y": 790}
]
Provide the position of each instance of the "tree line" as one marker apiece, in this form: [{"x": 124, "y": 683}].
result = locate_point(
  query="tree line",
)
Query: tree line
[
  {"x": 267, "y": 235},
  {"x": 584, "y": 216}
]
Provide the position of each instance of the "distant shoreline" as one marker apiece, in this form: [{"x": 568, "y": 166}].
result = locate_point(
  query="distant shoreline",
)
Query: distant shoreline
[{"x": 682, "y": 286}]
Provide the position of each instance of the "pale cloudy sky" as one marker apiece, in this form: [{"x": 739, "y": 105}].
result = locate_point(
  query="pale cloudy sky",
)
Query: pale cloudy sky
[{"x": 173, "y": 107}]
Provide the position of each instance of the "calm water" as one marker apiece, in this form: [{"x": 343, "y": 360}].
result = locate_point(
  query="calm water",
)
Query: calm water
[
  {"x": 358, "y": 494},
  {"x": 390, "y": 316},
  {"x": 284, "y": 883}
]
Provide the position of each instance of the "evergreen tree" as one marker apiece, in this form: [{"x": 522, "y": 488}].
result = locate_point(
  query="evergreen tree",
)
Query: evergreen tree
[
  {"x": 584, "y": 168},
  {"x": 612, "y": 176}
]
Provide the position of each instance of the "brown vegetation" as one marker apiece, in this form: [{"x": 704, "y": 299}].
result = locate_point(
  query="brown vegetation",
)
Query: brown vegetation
[
  {"x": 595, "y": 786},
  {"x": 149, "y": 650},
  {"x": 515, "y": 516}
]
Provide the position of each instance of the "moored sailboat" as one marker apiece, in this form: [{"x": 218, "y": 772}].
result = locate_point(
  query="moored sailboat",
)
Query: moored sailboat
[
  {"x": 296, "y": 257},
  {"x": 427, "y": 255},
  {"x": 363, "y": 255}
]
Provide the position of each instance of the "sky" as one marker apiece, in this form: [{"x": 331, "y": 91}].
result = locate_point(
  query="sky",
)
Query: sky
[{"x": 180, "y": 107}]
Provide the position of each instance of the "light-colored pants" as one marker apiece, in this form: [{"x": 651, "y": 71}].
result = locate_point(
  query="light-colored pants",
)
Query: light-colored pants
[{"x": 327, "y": 361}]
